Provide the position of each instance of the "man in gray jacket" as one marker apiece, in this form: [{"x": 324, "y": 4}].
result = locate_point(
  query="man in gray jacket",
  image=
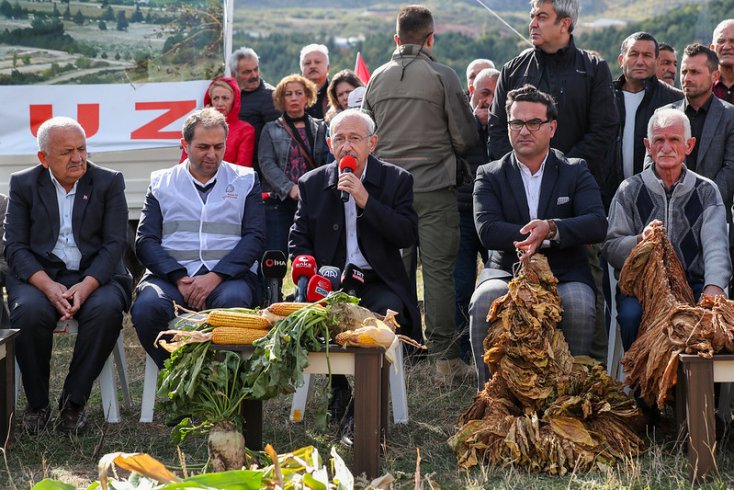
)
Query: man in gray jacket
[
  {"x": 423, "y": 121},
  {"x": 687, "y": 204}
]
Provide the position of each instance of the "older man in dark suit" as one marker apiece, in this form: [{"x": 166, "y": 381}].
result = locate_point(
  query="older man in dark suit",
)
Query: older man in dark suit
[
  {"x": 532, "y": 200},
  {"x": 368, "y": 230},
  {"x": 65, "y": 233}
]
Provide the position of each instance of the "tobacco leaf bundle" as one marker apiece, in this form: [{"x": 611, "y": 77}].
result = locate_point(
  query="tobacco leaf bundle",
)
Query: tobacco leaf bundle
[
  {"x": 542, "y": 409},
  {"x": 671, "y": 321}
]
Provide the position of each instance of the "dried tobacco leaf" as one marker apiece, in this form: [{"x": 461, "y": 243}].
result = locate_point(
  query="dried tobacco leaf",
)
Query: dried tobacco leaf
[
  {"x": 671, "y": 323},
  {"x": 542, "y": 409}
]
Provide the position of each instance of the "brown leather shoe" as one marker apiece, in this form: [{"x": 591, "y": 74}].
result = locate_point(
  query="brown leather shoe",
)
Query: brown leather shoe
[
  {"x": 34, "y": 421},
  {"x": 453, "y": 372},
  {"x": 72, "y": 420}
]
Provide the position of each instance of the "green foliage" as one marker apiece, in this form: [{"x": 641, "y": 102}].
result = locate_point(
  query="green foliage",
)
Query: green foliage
[
  {"x": 46, "y": 32},
  {"x": 122, "y": 22},
  {"x": 79, "y": 18},
  {"x": 6, "y": 9},
  {"x": 678, "y": 27},
  {"x": 102, "y": 25},
  {"x": 109, "y": 14},
  {"x": 67, "y": 13},
  {"x": 137, "y": 16}
]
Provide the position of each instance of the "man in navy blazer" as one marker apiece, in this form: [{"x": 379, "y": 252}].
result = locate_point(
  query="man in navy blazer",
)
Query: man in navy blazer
[
  {"x": 65, "y": 234},
  {"x": 712, "y": 121},
  {"x": 534, "y": 199},
  {"x": 368, "y": 230}
]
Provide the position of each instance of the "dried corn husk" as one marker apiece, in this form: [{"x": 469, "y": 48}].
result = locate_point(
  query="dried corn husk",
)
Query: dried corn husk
[{"x": 542, "y": 409}]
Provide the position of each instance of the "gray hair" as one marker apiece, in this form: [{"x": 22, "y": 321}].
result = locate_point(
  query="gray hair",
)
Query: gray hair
[
  {"x": 207, "y": 118},
  {"x": 306, "y": 50},
  {"x": 478, "y": 61},
  {"x": 241, "y": 54},
  {"x": 486, "y": 73},
  {"x": 663, "y": 118},
  {"x": 352, "y": 113},
  {"x": 563, "y": 8},
  {"x": 59, "y": 122},
  {"x": 722, "y": 25}
]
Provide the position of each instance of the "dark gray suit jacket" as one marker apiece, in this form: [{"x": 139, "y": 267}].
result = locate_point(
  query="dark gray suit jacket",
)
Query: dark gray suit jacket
[
  {"x": 99, "y": 223},
  {"x": 568, "y": 194},
  {"x": 716, "y": 148}
]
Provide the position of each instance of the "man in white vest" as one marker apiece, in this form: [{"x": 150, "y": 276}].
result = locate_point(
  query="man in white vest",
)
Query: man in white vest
[{"x": 201, "y": 233}]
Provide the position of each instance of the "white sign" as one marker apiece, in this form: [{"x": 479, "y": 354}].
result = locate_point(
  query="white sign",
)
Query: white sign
[{"x": 114, "y": 116}]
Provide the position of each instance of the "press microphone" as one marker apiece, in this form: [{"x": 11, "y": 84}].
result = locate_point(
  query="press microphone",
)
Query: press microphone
[
  {"x": 347, "y": 165},
  {"x": 333, "y": 274},
  {"x": 353, "y": 280},
  {"x": 318, "y": 288},
  {"x": 274, "y": 267},
  {"x": 302, "y": 268}
]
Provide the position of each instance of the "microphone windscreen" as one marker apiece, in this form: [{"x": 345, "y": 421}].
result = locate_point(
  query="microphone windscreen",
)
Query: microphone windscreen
[
  {"x": 318, "y": 288},
  {"x": 333, "y": 274},
  {"x": 303, "y": 266},
  {"x": 347, "y": 162},
  {"x": 353, "y": 278},
  {"x": 274, "y": 264}
]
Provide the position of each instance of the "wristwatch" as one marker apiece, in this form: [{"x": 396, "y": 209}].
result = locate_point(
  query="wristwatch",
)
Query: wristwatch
[{"x": 552, "y": 229}]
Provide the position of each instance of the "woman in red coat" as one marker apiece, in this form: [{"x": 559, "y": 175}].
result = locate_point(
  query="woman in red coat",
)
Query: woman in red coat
[{"x": 224, "y": 95}]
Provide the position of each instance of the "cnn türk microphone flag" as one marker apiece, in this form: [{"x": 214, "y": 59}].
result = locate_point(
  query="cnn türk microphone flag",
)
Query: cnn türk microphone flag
[{"x": 360, "y": 68}]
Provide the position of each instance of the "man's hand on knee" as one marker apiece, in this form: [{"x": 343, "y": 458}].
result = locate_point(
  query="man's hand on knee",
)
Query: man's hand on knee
[
  {"x": 77, "y": 294},
  {"x": 201, "y": 288}
]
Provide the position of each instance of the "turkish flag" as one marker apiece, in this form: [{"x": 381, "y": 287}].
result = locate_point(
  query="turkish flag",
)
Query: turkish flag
[{"x": 360, "y": 68}]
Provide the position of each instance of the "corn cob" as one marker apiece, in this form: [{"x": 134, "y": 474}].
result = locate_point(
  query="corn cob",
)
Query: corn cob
[
  {"x": 287, "y": 307},
  {"x": 224, "y": 318},
  {"x": 236, "y": 335}
]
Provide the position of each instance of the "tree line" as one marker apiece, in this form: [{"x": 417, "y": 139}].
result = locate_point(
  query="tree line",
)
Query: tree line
[{"x": 679, "y": 27}]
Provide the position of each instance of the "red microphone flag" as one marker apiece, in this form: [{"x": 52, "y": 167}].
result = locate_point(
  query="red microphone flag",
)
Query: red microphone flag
[{"x": 360, "y": 68}]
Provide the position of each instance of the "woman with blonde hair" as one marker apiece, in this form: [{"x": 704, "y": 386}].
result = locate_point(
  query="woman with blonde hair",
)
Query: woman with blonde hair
[{"x": 289, "y": 147}]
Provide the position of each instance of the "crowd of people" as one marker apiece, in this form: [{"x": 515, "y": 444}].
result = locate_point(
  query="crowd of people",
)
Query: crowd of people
[{"x": 547, "y": 155}]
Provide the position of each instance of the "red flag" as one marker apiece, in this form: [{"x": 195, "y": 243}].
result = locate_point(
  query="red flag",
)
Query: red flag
[{"x": 360, "y": 68}]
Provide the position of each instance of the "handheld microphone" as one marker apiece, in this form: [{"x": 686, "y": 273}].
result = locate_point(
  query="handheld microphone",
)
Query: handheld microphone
[
  {"x": 353, "y": 280},
  {"x": 347, "y": 165},
  {"x": 302, "y": 268},
  {"x": 318, "y": 288},
  {"x": 265, "y": 196},
  {"x": 333, "y": 274},
  {"x": 274, "y": 267}
]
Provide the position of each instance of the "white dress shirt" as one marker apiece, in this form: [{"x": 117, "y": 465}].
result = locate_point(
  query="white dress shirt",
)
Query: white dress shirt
[
  {"x": 65, "y": 247},
  {"x": 354, "y": 254}
]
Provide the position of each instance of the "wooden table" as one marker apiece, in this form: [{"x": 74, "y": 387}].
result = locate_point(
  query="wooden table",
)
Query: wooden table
[
  {"x": 370, "y": 373},
  {"x": 695, "y": 399},
  {"x": 7, "y": 378}
]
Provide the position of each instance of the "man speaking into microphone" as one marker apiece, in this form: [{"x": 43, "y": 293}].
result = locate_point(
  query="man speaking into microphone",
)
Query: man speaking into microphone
[{"x": 367, "y": 229}]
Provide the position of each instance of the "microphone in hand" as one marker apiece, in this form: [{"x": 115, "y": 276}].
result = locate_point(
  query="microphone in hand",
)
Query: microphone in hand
[{"x": 347, "y": 165}]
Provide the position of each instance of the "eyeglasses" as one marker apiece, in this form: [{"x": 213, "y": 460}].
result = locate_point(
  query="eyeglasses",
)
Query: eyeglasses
[
  {"x": 353, "y": 140},
  {"x": 532, "y": 125}
]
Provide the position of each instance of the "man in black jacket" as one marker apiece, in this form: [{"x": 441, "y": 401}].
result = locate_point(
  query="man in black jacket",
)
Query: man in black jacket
[
  {"x": 638, "y": 93},
  {"x": 580, "y": 83},
  {"x": 256, "y": 94},
  {"x": 481, "y": 92}
]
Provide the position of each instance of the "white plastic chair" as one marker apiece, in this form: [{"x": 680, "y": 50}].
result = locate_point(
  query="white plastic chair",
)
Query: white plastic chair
[
  {"x": 615, "y": 351},
  {"x": 107, "y": 385},
  {"x": 150, "y": 386},
  {"x": 398, "y": 393}
]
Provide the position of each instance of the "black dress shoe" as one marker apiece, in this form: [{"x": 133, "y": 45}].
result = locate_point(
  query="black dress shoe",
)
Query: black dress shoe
[
  {"x": 72, "y": 420},
  {"x": 34, "y": 421}
]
